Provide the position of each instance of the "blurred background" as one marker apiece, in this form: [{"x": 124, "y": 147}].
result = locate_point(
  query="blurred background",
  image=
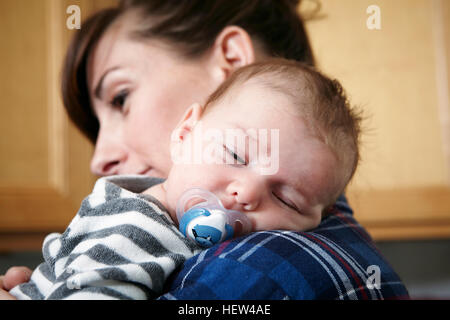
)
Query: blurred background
[{"x": 393, "y": 58}]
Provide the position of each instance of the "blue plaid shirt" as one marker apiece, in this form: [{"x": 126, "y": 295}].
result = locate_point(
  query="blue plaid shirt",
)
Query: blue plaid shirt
[{"x": 337, "y": 260}]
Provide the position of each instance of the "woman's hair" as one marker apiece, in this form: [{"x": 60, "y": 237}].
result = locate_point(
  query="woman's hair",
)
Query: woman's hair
[
  {"x": 192, "y": 27},
  {"x": 75, "y": 91}
]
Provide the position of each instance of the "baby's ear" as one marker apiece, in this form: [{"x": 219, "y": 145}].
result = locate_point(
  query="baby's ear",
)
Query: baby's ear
[
  {"x": 182, "y": 130},
  {"x": 187, "y": 122}
]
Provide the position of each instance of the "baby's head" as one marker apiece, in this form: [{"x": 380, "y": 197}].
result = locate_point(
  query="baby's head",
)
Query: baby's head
[{"x": 277, "y": 141}]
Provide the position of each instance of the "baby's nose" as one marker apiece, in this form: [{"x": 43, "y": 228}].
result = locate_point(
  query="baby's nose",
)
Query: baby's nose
[{"x": 245, "y": 196}]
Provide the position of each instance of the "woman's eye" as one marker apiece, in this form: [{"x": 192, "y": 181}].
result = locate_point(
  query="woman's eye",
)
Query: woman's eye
[
  {"x": 286, "y": 203},
  {"x": 119, "y": 99}
]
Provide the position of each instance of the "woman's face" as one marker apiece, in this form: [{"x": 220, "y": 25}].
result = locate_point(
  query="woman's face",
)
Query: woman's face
[{"x": 139, "y": 92}]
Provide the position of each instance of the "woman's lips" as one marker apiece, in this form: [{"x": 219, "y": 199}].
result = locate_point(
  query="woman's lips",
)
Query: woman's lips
[{"x": 151, "y": 172}]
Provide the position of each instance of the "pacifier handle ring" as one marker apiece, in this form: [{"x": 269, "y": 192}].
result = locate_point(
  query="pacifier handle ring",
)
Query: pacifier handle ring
[
  {"x": 234, "y": 217},
  {"x": 195, "y": 193}
]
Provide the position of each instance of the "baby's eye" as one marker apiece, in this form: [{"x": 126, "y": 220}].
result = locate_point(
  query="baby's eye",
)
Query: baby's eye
[
  {"x": 119, "y": 99},
  {"x": 286, "y": 203},
  {"x": 236, "y": 158}
]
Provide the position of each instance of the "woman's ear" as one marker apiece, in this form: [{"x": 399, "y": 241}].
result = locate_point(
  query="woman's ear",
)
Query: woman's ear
[{"x": 232, "y": 49}]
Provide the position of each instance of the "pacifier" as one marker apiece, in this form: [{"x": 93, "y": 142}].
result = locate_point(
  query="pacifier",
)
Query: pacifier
[{"x": 203, "y": 218}]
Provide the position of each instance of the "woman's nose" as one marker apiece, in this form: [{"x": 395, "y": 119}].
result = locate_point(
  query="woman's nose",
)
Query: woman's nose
[
  {"x": 246, "y": 194},
  {"x": 108, "y": 157}
]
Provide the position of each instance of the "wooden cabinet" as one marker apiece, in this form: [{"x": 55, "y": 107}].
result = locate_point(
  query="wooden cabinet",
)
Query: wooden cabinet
[
  {"x": 399, "y": 75},
  {"x": 44, "y": 164}
]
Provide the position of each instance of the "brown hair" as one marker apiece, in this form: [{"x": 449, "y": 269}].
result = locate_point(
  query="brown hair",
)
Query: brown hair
[
  {"x": 319, "y": 100},
  {"x": 192, "y": 26},
  {"x": 195, "y": 24},
  {"x": 75, "y": 92}
]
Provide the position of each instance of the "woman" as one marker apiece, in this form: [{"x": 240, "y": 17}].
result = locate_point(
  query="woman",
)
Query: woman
[{"x": 129, "y": 75}]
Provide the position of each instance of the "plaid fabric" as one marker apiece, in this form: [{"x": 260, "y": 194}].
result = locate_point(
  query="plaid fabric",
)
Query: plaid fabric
[{"x": 334, "y": 261}]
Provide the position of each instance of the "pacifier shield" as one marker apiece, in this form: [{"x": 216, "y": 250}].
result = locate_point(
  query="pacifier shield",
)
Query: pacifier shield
[{"x": 203, "y": 218}]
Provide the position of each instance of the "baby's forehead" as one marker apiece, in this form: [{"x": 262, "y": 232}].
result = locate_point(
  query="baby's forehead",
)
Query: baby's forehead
[
  {"x": 257, "y": 93},
  {"x": 258, "y": 104},
  {"x": 285, "y": 87}
]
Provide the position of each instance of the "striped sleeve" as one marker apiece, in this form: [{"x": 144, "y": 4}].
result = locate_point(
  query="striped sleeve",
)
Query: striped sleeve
[{"x": 119, "y": 246}]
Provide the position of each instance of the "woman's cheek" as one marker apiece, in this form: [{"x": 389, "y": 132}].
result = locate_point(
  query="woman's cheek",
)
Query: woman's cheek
[{"x": 140, "y": 134}]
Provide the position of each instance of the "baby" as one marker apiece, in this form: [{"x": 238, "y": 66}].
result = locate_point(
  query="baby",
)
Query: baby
[{"x": 124, "y": 242}]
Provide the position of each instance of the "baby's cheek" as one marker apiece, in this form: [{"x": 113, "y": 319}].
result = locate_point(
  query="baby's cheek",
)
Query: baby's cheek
[
  {"x": 292, "y": 221},
  {"x": 268, "y": 221}
]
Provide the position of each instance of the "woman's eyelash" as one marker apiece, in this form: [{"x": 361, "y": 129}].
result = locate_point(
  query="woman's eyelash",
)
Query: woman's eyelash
[{"x": 119, "y": 99}]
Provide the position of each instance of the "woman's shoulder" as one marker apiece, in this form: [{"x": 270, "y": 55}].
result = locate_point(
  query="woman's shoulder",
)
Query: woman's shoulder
[{"x": 337, "y": 260}]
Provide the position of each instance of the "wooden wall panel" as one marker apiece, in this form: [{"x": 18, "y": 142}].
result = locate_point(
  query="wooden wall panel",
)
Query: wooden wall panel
[
  {"x": 44, "y": 168},
  {"x": 23, "y": 121}
]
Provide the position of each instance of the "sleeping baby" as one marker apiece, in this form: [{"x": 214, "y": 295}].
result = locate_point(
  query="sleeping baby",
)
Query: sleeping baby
[{"x": 132, "y": 232}]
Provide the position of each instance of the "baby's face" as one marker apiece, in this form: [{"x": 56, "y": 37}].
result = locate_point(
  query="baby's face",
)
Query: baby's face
[{"x": 283, "y": 185}]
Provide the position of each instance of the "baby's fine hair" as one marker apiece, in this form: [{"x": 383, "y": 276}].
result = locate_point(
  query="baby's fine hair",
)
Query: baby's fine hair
[{"x": 319, "y": 100}]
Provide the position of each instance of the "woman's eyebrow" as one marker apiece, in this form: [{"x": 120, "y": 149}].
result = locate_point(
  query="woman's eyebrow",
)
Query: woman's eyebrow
[{"x": 99, "y": 88}]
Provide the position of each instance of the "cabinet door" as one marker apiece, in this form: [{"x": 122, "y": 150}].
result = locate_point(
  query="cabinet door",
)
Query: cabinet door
[
  {"x": 399, "y": 75},
  {"x": 44, "y": 163}
]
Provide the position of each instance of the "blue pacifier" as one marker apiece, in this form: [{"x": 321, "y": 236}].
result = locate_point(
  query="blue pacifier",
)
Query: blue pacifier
[{"x": 203, "y": 218}]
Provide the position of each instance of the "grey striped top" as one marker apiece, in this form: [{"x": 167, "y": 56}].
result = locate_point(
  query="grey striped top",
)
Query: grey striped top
[{"x": 120, "y": 245}]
